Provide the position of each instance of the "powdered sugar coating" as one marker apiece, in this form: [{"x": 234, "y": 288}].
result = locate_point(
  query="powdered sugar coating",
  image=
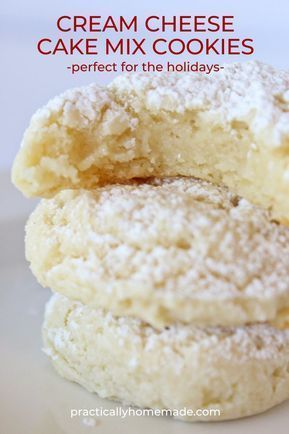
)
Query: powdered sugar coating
[
  {"x": 230, "y": 127},
  {"x": 165, "y": 250},
  {"x": 251, "y": 92},
  {"x": 240, "y": 371}
]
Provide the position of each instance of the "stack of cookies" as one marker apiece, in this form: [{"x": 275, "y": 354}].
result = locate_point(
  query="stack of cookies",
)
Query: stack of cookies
[{"x": 162, "y": 231}]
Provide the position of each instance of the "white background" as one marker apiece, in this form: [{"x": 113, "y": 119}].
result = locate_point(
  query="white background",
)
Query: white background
[{"x": 28, "y": 80}]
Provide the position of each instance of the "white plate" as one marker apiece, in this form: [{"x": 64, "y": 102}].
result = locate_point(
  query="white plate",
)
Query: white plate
[{"x": 34, "y": 399}]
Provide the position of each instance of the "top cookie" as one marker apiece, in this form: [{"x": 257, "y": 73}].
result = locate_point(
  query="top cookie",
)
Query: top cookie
[{"x": 230, "y": 127}]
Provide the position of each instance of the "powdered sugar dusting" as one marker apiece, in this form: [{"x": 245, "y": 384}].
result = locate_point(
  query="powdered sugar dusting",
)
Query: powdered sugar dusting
[
  {"x": 256, "y": 341},
  {"x": 178, "y": 236}
]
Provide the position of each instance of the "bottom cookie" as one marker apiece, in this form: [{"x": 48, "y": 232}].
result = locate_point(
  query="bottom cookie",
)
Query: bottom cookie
[{"x": 238, "y": 371}]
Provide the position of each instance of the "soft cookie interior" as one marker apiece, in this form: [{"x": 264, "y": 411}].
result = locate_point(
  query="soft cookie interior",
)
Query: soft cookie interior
[{"x": 230, "y": 128}]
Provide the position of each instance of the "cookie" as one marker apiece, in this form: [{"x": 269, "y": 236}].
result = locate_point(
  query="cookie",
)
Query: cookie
[
  {"x": 230, "y": 127},
  {"x": 165, "y": 251},
  {"x": 235, "y": 371}
]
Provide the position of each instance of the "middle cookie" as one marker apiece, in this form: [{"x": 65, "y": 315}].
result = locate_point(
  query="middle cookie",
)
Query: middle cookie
[{"x": 165, "y": 251}]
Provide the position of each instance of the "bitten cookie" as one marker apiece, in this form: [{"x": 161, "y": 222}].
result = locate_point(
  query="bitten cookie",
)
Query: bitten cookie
[
  {"x": 165, "y": 251},
  {"x": 230, "y": 127},
  {"x": 238, "y": 371}
]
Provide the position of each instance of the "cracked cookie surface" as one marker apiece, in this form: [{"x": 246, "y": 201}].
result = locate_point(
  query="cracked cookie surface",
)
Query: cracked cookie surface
[
  {"x": 238, "y": 371},
  {"x": 229, "y": 127},
  {"x": 165, "y": 250}
]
